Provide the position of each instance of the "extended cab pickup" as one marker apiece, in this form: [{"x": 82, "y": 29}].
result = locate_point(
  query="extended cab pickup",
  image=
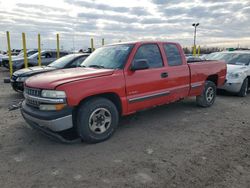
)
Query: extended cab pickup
[{"x": 117, "y": 80}]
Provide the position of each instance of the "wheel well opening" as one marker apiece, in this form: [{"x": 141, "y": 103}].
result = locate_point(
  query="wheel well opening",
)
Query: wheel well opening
[
  {"x": 213, "y": 78},
  {"x": 111, "y": 96},
  {"x": 248, "y": 81}
]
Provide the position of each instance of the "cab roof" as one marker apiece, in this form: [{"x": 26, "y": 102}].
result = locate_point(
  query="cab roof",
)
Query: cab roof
[{"x": 139, "y": 42}]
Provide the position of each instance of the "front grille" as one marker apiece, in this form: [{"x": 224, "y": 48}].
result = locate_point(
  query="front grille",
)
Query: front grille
[
  {"x": 32, "y": 103},
  {"x": 32, "y": 91}
]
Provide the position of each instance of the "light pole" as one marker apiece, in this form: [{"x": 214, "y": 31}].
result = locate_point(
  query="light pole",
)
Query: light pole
[{"x": 195, "y": 25}]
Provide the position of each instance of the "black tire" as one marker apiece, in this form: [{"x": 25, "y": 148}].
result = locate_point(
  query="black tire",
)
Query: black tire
[
  {"x": 88, "y": 111},
  {"x": 244, "y": 88},
  {"x": 207, "y": 98},
  {"x": 6, "y": 80}
]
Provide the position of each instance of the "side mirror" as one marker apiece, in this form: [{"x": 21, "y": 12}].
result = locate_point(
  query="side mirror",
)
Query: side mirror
[{"x": 139, "y": 64}]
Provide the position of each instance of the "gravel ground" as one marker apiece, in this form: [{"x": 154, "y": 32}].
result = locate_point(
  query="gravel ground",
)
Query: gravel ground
[{"x": 176, "y": 145}]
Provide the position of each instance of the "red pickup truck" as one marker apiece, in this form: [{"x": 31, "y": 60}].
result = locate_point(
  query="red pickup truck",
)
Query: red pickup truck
[{"x": 117, "y": 80}]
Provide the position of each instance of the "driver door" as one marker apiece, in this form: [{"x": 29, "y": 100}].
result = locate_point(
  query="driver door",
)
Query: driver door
[{"x": 146, "y": 88}]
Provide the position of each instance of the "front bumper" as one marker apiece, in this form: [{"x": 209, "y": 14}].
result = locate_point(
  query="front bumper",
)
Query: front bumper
[
  {"x": 231, "y": 87},
  {"x": 55, "y": 121}
]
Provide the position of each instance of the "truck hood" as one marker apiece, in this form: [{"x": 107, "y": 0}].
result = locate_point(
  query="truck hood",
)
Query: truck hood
[
  {"x": 32, "y": 71},
  {"x": 53, "y": 79},
  {"x": 236, "y": 68}
]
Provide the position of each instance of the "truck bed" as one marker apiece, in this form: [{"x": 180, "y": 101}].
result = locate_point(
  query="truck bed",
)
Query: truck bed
[{"x": 200, "y": 71}]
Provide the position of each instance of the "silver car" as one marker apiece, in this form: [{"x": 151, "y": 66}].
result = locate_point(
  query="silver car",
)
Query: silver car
[
  {"x": 238, "y": 71},
  {"x": 47, "y": 56}
]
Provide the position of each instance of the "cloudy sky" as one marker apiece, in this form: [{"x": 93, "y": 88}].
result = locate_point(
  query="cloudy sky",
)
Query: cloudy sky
[{"x": 222, "y": 22}]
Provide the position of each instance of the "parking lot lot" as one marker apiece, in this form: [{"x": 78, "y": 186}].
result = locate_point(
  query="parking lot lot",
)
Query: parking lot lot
[{"x": 176, "y": 145}]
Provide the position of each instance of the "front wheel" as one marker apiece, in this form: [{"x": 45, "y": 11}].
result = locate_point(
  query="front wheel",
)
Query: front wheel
[
  {"x": 207, "y": 98},
  {"x": 97, "y": 120},
  {"x": 244, "y": 88}
]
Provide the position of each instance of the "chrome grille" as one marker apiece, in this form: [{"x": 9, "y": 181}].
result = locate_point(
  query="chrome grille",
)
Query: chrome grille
[
  {"x": 33, "y": 103},
  {"x": 32, "y": 91}
]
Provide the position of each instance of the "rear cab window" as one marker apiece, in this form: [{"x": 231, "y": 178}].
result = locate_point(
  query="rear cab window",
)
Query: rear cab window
[
  {"x": 151, "y": 53},
  {"x": 173, "y": 55}
]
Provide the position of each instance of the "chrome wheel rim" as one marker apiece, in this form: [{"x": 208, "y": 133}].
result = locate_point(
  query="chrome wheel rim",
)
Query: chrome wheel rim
[
  {"x": 210, "y": 94},
  {"x": 100, "y": 120}
]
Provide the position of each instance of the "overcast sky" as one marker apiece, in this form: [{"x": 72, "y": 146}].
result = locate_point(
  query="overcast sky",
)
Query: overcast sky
[{"x": 222, "y": 22}]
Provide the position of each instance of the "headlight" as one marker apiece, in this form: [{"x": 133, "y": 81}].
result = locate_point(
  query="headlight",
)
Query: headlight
[
  {"x": 53, "y": 94},
  {"x": 235, "y": 75},
  {"x": 21, "y": 79}
]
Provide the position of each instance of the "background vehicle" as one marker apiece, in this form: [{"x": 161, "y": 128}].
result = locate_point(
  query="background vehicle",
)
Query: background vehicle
[
  {"x": 2, "y": 52},
  {"x": 238, "y": 70},
  {"x": 15, "y": 52},
  {"x": 191, "y": 59},
  {"x": 68, "y": 61},
  {"x": 114, "y": 81},
  {"x": 5, "y": 59},
  {"x": 1, "y": 58},
  {"x": 47, "y": 56}
]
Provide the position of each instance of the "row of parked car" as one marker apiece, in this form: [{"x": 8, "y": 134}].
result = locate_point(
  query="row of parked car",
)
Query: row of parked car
[
  {"x": 238, "y": 70},
  {"x": 47, "y": 56},
  {"x": 85, "y": 94},
  {"x": 4, "y": 58}
]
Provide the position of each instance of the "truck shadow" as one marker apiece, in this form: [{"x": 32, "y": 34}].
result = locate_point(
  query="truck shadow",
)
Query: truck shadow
[
  {"x": 225, "y": 93},
  {"x": 159, "y": 113}
]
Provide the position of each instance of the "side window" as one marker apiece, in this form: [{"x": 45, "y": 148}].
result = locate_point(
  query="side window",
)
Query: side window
[
  {"x": 48, "y": 55},
  {"x": 173, "y": 55},
  {"x": 53, "y": 54},
  {"x": 77, "y": 62},
  {"x": 151, "y": 53}
]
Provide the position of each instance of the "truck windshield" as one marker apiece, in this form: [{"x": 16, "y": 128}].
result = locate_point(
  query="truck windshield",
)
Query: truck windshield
[
  {"x": 233, "y": 58},
  {"x": 109, "y": 57}
]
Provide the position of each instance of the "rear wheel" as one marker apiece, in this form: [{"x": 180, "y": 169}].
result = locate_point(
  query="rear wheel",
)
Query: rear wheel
[
  {"x": 208, "y": 95},
  {"x": 97, "y": 120},
  {"x": 244, "y": 88}
]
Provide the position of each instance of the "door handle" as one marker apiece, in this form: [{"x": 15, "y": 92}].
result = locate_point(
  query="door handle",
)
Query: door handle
[{"x": 164, "y": 75}]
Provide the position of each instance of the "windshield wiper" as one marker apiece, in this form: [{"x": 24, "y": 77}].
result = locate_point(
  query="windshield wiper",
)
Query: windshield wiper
[{"x": 97, "y": 66}]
